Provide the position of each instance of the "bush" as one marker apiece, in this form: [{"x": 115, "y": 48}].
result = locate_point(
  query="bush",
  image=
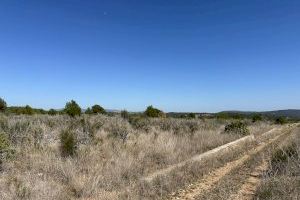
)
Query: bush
[
  {"x": 124, "y": 114},
  {"x": 237, "y": 128},
  {"x": 119, "y": 130},
  {"x": 52, "y": 112},
  {"x": 4, "y": 148},
  {"x": 72, "y": 108},
  {"x": 256, "y": 117},
  {"x": 88, "y": 111},
  {"x": 28, "y": 110},
  {"x": 2, "y": 105},
  {"x": 96, "y": 109},
  {"x": 153, "y": 112},
  {"x": 4, "y": 126},
  {"x": 192, "y": 115},
  {"x": 68, "y": 143},
  {"x": 281, "y": 120},
  {"x": 4, "y": 142},
  {"x": 192, "y": 126},
  {"x": 140, "y": 123},
  {"x": 281, "y": 156}
]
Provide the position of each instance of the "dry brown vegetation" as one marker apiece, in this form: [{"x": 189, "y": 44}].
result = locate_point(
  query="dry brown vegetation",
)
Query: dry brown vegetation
[
  {"x": 112, "y": 154},
  {"x": 282, "y": 179}
]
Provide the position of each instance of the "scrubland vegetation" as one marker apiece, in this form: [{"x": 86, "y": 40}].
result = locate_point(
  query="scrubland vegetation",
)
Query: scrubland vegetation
[
  {"x": 282, "y": 180},
  {"x": 61, "y": 157},
  {"x": 70, "y": 155}
]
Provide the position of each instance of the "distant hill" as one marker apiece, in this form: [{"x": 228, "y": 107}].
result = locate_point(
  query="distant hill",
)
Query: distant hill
[{"x": 290, "y": 113}]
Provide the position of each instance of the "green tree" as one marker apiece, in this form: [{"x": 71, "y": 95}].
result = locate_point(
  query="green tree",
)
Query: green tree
[
  {"x": 281, "y": 120},
  {"x": 28, "y": 110},
  {"x": 88, "y": 111},
  {"x": 72, "y": 108},
  {"x": 96, "y": 109},
  {"x": 3, "y": 105},
  {"x": 256, "y": 117},
  {"x": 124, "y": 114},
  {"x": 222, "y": 115},
  {"x": 153, "y": 112},
  {"x": 52, "y": 112},
  {"x": 192, "y": 115}
]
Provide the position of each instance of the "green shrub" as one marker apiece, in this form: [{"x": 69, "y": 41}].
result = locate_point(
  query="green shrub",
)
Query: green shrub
[
  {"x": 4, "y": 142},
  {"x": 265, "y": 192},
  {"x": 281, "y": 156},
  {"x": 153, "y": 112},
  {"x": 222, "y": 115},
  {"x": 96, "y": 109},
  {"x": 28, "y": 110},
  {"x": 52, "y": 112},
  {"x": 139, "y": 123},
  {"x": 124, "y": 114},
  {"x": 4, "y": 124},
  {"x": 5, "y": 150},
  {"x": 88, "y": 111},
  {"x": 68, "y": 143},
  {"x": 256, "y": 117},
  {"x": 72, "y": 108},
  {"x": 3, "y": 105},
  {"x": 237, "y": 128},
  {"x": 281, "y": 120},
  {"x": 192, "y": 115}
]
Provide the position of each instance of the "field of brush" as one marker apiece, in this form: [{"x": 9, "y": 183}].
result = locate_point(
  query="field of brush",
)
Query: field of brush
[
  {"x": 282, "y": 179},
  {"x": 110, "y": 155}
]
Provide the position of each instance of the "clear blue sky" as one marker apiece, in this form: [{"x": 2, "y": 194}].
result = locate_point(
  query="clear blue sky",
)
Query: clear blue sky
[{"x": 178, "y": 55}]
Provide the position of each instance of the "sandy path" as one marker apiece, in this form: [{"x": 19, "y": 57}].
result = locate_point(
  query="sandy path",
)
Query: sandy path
[{"x": 248, "y": 189}]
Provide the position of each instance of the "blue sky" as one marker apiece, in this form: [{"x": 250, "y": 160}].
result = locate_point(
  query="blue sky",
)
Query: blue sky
[{"x": 195, "y": 55}]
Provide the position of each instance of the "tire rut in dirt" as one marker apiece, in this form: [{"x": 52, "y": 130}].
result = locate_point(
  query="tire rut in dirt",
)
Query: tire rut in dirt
[
  {"x": 241, "y": 182},
  {"x": 224, "y": 181}
]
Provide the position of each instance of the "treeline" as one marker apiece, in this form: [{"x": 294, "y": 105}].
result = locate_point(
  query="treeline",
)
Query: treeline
[
  {"x": 25, "y": 110},
  {"x": 255, "y": 117},
  {"x": 73, "y": 109}
]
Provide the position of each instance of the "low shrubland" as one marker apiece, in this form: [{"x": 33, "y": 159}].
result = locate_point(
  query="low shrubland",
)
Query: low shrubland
[
  {"x": 98, "y": 156},
  {"x": 282, "y": 178}
]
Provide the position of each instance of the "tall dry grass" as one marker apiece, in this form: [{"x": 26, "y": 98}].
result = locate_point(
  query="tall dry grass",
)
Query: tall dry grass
[
  {"x": 113, "y": 154},
  {"x": 282, "y": 180}
]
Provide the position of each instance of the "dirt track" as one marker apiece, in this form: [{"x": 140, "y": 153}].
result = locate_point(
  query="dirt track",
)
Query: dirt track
[
  {"x": 250, "y": 181},
  {"x": 207, "y": 154}
]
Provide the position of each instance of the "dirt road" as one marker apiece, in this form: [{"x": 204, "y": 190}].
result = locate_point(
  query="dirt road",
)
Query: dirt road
[{"x": 245, "y": 183}]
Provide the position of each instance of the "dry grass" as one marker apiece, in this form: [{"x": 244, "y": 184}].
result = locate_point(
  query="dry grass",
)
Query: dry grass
[
  {"x": 113, "y": 154},
  {"x": 282, "y": 180}
]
